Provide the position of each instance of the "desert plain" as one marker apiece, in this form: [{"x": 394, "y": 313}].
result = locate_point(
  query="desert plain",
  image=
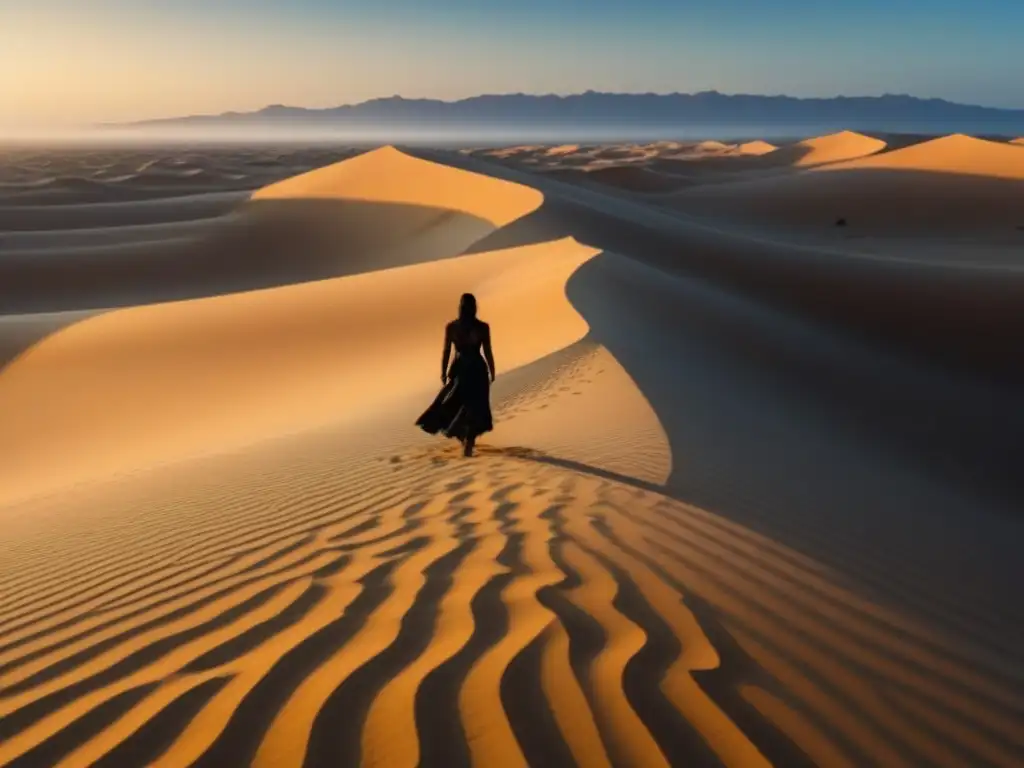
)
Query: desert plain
[{"x": 753, "y": 496}]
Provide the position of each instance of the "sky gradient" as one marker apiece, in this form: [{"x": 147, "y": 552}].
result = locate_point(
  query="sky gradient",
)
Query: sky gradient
[{"x": 73, "y": 62}]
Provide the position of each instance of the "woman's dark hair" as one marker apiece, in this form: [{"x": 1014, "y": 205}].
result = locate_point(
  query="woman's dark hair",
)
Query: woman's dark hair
[{"x": 467, "y": 307}]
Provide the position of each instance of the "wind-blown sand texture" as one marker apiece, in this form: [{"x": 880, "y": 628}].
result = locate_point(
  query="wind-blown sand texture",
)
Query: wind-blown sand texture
[{"x": 747, "y": 502}]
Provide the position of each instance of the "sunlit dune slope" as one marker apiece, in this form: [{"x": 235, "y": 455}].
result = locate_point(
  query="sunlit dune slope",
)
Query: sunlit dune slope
[
  {"x": 756, "y": 148},
  {"x": 955, "y": 154},
  {"x": 172, "y": 380},
  {"x": 711, "y": 146},
  {"x": 212, "y": 372},
  {"x": 387, "y": 175},
  {"x": 947, "y": 185},
  {"x": 833, "y": 148}
]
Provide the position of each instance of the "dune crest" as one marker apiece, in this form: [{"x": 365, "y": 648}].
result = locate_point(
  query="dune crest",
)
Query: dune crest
[
  {"x": 377, "y": 210},
  {"x": 565, "y": 149},
  {"x": 953, "y": 184},
  {"x": 756, "y": 148},
  {"x": 251, "y": 365},
  {"x": 387, "y": 175},
  {"x": 949, "y": 154},
  {"x": 833, "y": 148},
  {"x": 712, "y": 146}
]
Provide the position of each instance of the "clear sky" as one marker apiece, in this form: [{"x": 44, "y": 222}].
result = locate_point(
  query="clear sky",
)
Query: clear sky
[{"x": 79, "y": 61}]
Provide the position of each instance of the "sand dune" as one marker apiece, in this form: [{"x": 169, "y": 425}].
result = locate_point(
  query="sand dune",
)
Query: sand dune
[
  {"x": 666, "y": 166},
  {"x": 831, "y": 149},
  {"x": 756, "y": 148},
  {"x": 47, "y": 178},
  {"x": 949, "y": 185},
  {"x": 705, "y": 531},
  {"x": 956, "y": 154},
  {"x": 391, "y": 177},
  {"x": 1019, "y": 141},
  {"x": 712, "y": 146},
  {"x": 48, "y": 218},
  {"x": 337, "y": 220},
  {"x": 228, "y": 362}
]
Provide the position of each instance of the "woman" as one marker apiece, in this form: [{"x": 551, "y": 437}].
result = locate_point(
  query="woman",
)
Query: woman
[{"x": 462, "y": 409}]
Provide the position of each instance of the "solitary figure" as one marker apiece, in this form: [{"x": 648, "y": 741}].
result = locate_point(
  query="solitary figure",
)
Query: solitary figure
[{"x": 462, "y": 409}]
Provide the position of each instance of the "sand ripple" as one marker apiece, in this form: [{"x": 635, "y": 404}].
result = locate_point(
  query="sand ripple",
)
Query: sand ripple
[
  {"x": 412, "y": 609},
  {"x": 226, "y": 545}
]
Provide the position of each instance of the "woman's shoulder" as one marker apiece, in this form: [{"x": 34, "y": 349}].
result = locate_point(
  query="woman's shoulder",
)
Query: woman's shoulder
[{"x": 462, "y": 326}]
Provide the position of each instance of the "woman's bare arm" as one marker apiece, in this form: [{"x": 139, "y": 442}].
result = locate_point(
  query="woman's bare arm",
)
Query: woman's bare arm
[
  {"x": 488, "y": 352},
  {"x": 446, "y": 355}
]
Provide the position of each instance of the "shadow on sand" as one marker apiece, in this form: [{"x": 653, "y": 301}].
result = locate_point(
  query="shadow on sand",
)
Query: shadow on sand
[{"x": 263, "y": 244}]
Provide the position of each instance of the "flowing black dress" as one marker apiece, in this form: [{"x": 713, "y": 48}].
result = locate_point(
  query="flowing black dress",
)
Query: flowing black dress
[{"x": 462, "y": 409}]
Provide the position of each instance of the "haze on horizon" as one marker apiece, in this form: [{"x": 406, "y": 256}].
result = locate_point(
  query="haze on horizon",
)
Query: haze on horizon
[{"x": 126, "y": 60}]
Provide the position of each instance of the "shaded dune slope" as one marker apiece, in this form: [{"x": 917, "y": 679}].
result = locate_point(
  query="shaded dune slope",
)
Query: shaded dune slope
[
  {"x": 231, "y": 355},
  {"x": 299, "y": 229},
  {"x": 960, "y": 314},
  {"x": 289, "y": 577},
  {"x": 65, "y": 178},
  {"x": 632, "y": 179}
]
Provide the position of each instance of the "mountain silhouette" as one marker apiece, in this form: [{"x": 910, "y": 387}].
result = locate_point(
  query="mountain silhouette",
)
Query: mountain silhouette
[{"x": 709, "y": 107}]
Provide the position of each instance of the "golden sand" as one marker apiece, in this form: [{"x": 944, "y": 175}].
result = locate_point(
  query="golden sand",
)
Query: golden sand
[{"x": 226, "y": 544}]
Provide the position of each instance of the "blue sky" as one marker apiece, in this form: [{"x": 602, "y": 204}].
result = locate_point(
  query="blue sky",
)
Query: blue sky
[{"x": 72, "y": 61}]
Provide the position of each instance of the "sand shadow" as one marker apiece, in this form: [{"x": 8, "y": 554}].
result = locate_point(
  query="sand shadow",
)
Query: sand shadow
[
  {"x": 917, "y": 357},
  {"x": 532, "y": 454},
  {"x": 263, "y": 244}
]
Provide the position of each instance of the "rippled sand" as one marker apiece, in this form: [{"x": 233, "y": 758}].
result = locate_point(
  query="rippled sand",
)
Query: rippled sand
[{"x": 752, "y": 496}]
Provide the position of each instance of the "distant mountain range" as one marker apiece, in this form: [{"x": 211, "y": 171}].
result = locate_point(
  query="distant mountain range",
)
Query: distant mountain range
[{"x": 624, "y": 109}]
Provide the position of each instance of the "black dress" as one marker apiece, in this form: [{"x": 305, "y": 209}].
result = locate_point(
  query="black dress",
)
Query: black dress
[{"x": 462, "y": 409}]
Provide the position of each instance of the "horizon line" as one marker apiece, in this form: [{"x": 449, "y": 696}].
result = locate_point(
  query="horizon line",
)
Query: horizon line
[{"x": 589, "y": 91}]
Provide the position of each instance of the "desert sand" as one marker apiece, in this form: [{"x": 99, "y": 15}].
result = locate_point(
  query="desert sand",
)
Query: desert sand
[
  {"x": 753, "y": 495},
  {"x": 949, "y": 185}
]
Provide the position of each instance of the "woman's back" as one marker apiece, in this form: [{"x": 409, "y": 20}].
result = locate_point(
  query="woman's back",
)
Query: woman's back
[{"x": 467, "y": 335}]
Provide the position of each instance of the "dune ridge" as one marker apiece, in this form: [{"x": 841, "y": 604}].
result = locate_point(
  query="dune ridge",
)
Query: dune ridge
[
  {"x": 756, "y": 148},
  {"x": 949, "y": 185},
  {"x": 227, "y": 545},
  {"x": 336, "y": 220},
  {"x": 666, "y": 166},
  {"x": 833, "y": 148},
  {"x": 161, "y": 357},
  {"x": 956, "y": 153}
]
